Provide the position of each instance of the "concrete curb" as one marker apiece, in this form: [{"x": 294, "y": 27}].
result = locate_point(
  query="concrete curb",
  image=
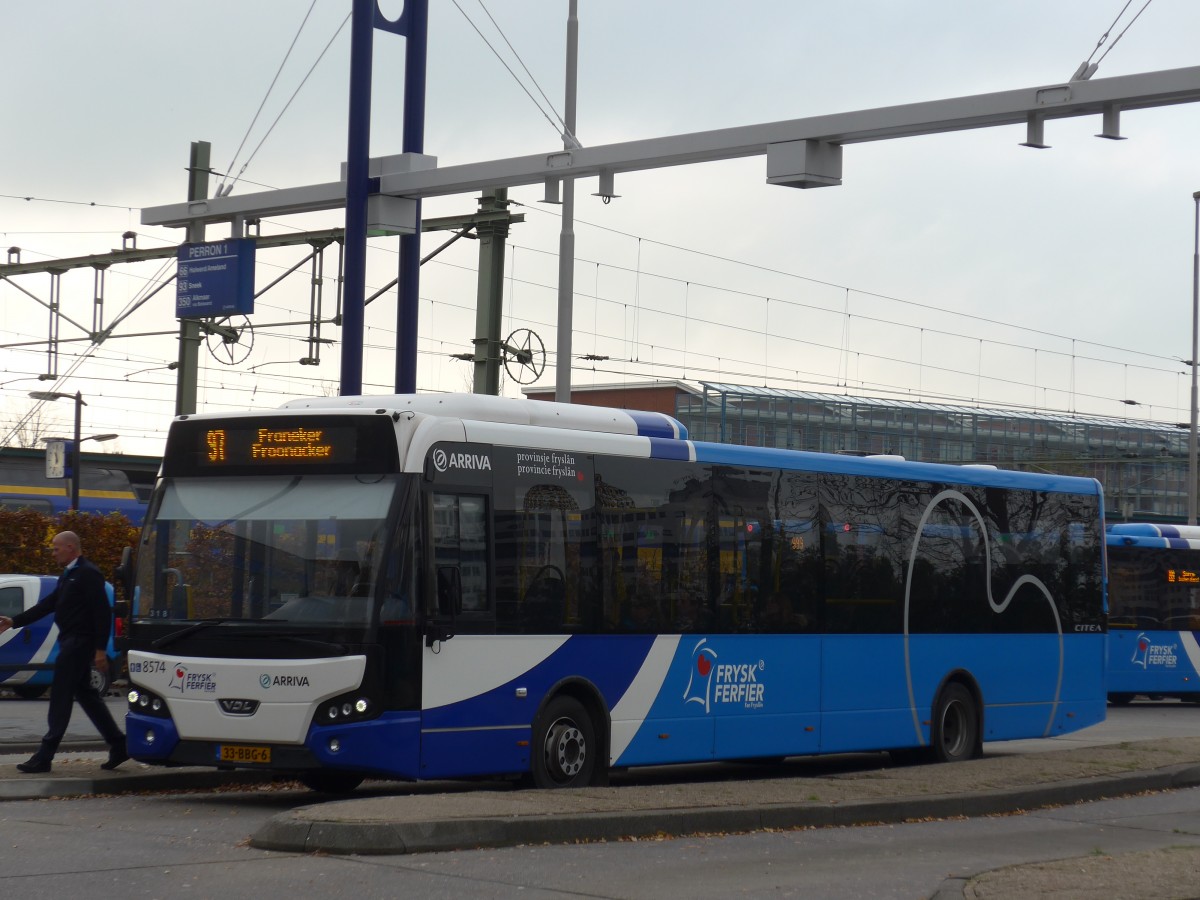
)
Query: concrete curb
[
  {"x": 298, "y": 832},
  {"x": 41, "y": 787}
]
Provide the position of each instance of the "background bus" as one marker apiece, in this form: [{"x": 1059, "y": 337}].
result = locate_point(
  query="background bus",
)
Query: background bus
[
  {"x": 28, "y": 655},
  {"x": 1154, "y": 611},
  {"x": 524, "y": 587}
]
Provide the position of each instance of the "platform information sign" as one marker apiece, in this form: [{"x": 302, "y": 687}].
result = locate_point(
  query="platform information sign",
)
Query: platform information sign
[{"x": 215, "y": 278}]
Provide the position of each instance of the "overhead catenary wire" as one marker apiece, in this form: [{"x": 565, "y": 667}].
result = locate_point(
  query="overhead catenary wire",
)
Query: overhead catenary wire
[
  {"x": 1123, "y": 30},
  {"x": 524, "y": 67},
  {"x": 229, "y": 187},
  {"x": 559, "y": 127},
  {"x": 221, "y": 191},
  {"x": 68, "y": 202},
  {"x": 1087, "y": 68},
  {"x": 840, "y": 287}
]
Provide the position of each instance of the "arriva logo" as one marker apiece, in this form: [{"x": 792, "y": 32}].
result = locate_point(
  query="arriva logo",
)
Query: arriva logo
[
  {"x": 475, "y": 461},
  {"x": 270, "y": 681}
]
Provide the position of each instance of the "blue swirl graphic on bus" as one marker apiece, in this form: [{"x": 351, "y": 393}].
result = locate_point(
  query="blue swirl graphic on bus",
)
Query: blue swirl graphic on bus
[{"x": 996, "y": 607}]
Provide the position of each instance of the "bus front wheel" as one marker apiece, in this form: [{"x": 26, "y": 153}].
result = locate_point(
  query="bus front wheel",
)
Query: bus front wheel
[
  {"x": 564, "y": 745},
  {"x": 955, "y": 733}
]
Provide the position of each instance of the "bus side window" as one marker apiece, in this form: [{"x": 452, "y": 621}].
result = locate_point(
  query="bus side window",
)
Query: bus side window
[
  {"x": 12, "y": 601},
  {"x": 460, "y": 539}
]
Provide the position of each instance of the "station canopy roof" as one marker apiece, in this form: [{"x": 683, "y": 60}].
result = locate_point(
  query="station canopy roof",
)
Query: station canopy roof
[{"x": 765, "y": 393}]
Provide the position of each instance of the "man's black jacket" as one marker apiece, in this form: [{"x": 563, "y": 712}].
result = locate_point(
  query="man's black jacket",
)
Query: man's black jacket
[{"x": 80, "y": 606}]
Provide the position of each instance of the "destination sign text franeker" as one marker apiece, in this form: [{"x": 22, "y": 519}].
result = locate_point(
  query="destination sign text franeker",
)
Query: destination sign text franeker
[{"x": 299, "y": 443}]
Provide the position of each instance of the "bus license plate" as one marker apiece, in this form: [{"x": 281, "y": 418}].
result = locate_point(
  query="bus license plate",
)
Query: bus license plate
[{"x": 239, "y": 753}]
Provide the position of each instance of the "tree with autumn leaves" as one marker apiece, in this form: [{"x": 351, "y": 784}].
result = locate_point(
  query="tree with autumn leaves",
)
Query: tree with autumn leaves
[{"x": 25, "y": 540}]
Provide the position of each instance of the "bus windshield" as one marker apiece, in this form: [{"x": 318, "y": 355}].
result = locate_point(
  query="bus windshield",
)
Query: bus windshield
[{"x": 300, "y": 549}]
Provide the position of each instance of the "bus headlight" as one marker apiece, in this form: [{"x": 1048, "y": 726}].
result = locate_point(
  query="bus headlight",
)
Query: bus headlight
[
  {"x": 347, "y": 708},
  {"x": 147, "y": 703}
]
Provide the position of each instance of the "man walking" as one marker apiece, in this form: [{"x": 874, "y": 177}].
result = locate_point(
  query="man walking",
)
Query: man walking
[{"x": 81, "y": 612}]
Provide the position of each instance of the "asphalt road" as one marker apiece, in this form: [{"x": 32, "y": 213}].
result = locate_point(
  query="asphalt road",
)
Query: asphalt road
[
  {"x": 157, "y": 843},
  {"x": 173, "y": 845}
]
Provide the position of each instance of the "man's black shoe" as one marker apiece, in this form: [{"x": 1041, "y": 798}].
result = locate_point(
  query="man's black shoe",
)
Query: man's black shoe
[
  {"x": 34, "y": 766},
  {"x": 116, "y": 756}
]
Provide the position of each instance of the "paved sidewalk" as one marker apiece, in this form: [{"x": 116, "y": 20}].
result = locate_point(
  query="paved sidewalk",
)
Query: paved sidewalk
[{"x": 421, "y": 822}]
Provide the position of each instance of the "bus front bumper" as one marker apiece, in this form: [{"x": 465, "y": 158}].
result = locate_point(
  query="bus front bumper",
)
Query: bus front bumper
[{"x": 388, "y": 746}]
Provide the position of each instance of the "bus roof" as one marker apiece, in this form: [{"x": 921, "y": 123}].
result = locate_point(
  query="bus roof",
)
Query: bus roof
[
  {"x": 1149, "y": 534},
  {"x": 486, "y": 408},
  {"x": 667, "y": 438}
]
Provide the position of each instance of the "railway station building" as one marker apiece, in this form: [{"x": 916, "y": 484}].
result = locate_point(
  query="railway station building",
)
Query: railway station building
[{"x": 1142, "y": 464}]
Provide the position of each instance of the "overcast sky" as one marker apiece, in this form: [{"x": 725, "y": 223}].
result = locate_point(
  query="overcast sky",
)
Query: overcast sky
[{"x": 956, "y": 268}]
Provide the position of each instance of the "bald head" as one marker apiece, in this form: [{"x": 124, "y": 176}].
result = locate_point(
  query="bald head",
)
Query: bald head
[{"x": 66, "y": 548}]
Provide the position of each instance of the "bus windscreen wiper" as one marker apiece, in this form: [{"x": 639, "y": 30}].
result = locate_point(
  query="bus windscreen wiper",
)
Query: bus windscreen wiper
[
  {"x": 168, "y": 639},
  {"x": 312, "y": 643}
]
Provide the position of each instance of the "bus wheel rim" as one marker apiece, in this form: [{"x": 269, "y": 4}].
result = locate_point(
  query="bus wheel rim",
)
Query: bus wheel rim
[{"x": 566, "y": 749}]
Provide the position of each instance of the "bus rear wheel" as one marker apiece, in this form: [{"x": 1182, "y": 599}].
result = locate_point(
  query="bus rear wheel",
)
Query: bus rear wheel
[
  {"x": 564, "y": 747},
  {"x": 331, "y": 782},
  {"x": 955, "y": 733}
]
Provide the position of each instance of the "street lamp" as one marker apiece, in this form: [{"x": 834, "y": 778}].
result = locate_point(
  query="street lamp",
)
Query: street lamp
[{"x": 79, "y": 439}]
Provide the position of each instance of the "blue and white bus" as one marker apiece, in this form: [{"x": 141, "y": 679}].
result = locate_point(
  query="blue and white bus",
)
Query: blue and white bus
[
  {"x": 421, "y": 587},
  {"x": 1154, "y": 611}
]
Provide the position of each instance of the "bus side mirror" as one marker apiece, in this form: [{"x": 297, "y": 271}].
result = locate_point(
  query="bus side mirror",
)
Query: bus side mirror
[
  {"x": 124, "y": 572},
  {"x": 449, "y": 590}
]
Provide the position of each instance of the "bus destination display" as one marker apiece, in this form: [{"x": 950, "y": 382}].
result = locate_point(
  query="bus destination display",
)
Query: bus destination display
[
  {"x": 272, "y": 445},
  {"x": 1182, "y": 576}
]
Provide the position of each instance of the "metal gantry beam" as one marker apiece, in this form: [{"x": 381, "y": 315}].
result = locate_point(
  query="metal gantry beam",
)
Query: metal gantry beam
[
  {"x": 816, "y": 140},
  {"x": 800, "y": 152}
]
